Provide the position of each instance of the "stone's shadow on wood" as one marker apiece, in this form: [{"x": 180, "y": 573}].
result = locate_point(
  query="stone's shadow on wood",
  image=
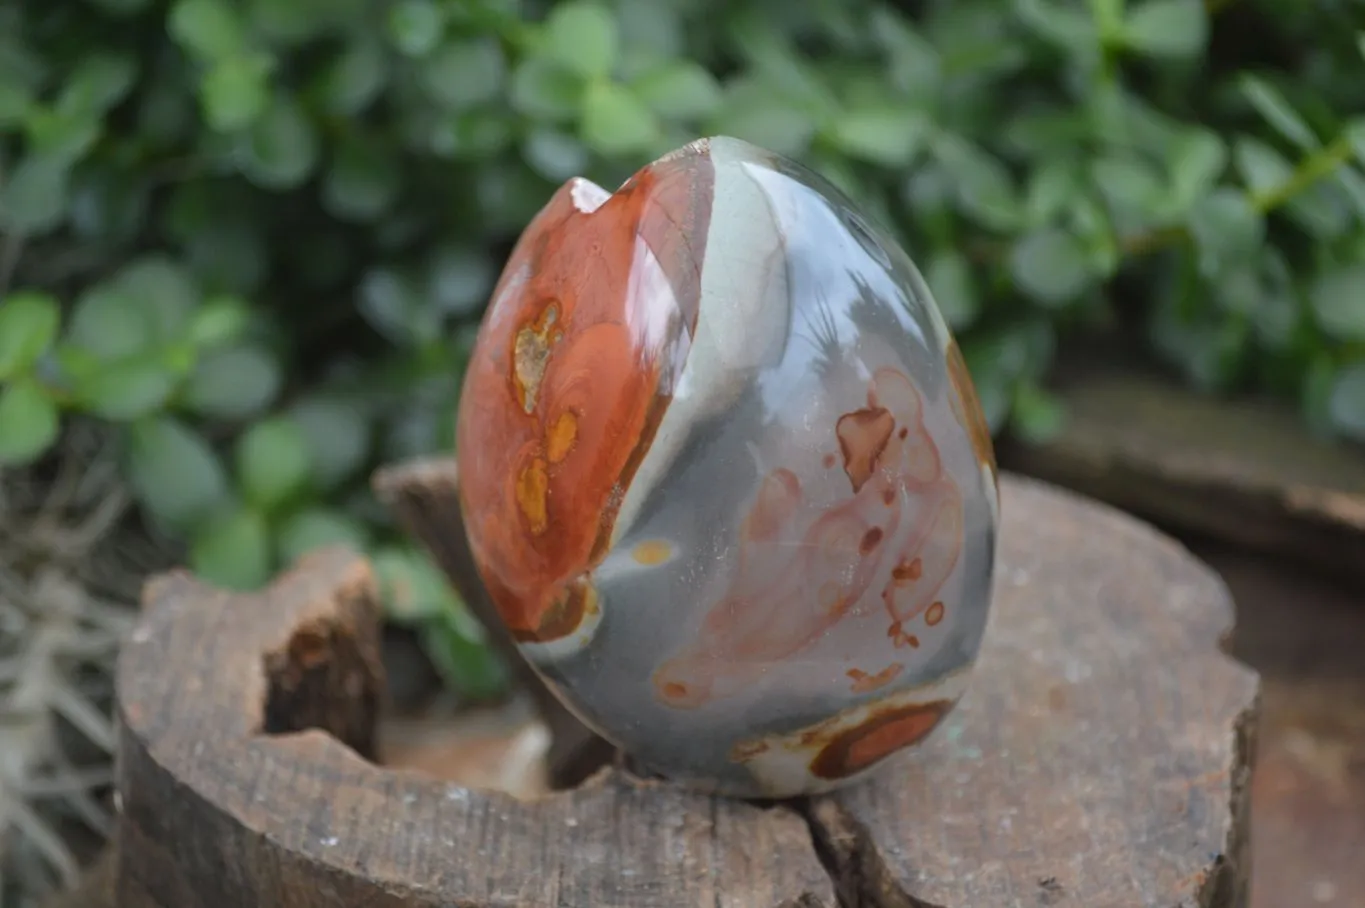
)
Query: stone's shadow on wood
[
  {"x": 1095, "y": 761},
  {"x": 424, "y": 497}
]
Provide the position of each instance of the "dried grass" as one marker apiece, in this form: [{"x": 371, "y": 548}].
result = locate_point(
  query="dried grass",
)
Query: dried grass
[{"x": 71, "y": 564}]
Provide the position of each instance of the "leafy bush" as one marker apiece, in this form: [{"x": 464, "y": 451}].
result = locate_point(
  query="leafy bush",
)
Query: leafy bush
[{"x": 257, "y": 234}]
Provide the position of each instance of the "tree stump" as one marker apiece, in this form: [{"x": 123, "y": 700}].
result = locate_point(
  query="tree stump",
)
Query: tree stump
[{"x": 1100, "y": 758}]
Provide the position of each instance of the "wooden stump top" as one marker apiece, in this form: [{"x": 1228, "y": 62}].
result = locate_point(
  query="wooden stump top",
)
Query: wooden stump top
[{"x": 1099, "y": 759}]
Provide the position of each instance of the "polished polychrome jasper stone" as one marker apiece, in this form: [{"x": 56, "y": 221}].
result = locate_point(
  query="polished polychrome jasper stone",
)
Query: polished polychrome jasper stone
[{"x": 725, "y": 476}]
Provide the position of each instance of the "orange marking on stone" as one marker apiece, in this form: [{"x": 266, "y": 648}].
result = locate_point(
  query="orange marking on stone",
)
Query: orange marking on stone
[
  {"x": 541, "y": 491},
  {"x": 652, "y": 552},
  {"x": 934, "y": 614},
  {"x": 559, "y": 441},
  {"x": 908, "y": 571},
  {"x": 775, "y": 504},
  {"x": 531, "y": 356},
  {"x": 876, "y": 738},
  {"x": 566, "y": 614},
  {"x": 967, "y": 408},
  {"x": 900, "y": 638},
  {"x": 863, "y": 435},
  {"x": 863, "y": 683},
  {"x": 745, "y": 751},
  {"x": 533, "y": 486}
]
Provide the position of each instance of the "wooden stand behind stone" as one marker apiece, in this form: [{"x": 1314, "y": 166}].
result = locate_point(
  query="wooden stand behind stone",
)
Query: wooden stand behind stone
[{"x": 1100, "y": 758}]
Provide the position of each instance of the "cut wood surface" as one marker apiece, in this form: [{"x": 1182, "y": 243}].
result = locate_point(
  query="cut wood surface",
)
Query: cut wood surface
[
  {"x": 1245, "y": 471},
  {"x": 1099, "y": 759}
]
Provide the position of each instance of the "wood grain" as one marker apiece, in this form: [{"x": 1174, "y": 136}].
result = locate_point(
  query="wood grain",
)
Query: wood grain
[
  {"x": 1246, "y": 471},
  {"x": 1100, "y": 758},
  {"x": 1102, "y": 755},
  {"x": 219, "y": 814}
]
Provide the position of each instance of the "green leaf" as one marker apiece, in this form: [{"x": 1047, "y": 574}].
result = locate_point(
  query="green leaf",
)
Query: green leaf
[
  {"x": 410, "y": 586},
  {"x": 121, "y": 7},
  {"x": 235, "y": 92},
  {"x": 109, "y": 206},
  {"x": 98, "y": 83},
  {"x": 1038, "y": 416},
  {"x": 615, "y": 122},
  {"x": 33, "y": 196},
  {"x": 353, "y": 81},
  {"x": 1061, "y": 24},
  {"x": 1129, "y": 183},
  {"x": 392, "y": 304},
  {"x": 984, "y": 187},
  {"x": 950, "y": 280},
  {"x": 459, "y": 279},
  {"x": 553, "y": 154},
  {"x": 1051, "y": 265},
  {"x": 219, "y": 321},
  {"x": 475, "y": 134},
  {"x": 1355, "y": 134},
  {"x": 363, "y": 181},
  {"x": 29, "y": 423},
  {"x": 542, "y": 90},
  {"x": 1052, "y": 189},
  {"x": 914, "y": 65},
  {"x": 1346, "y": 401},
  {"x": 105, "y": 322},
  {"x": 29, "y": 322},
  {"x": 207, "y": 29},
  {"x": 283, "y": 147},
  {"x": 416, "y": 27},
  {"x": 1278, "y": 112},
  {"x": 62, "y": 136},
  {"x": 889, "y": 136},
  {"x": 582, "y": 36},
  {"x": 233, "y": 382},
  {"x": 174, "y": 472},
  {"x": 162, "y": 288},
  {"x": 128, "y": 389},
  {"x": 273, "y": 462},
  {"x": 464, "y": 74},
  {"x": 314, "y": 528},
  {"x": 1226, "y": 228},
  {"x": 771, "y": 123},
  {"x": 337, "y": 434},
  {"x": 16, "y": 102},
  {"x": 678, "y": 90},
  {"x": 1175, "y": 29},
  {"x": 466, "y": 664},
  {"x": 1196, "y": 163},
  {"x": 233, "y": 551},
  {"x": 1338, "y": 300},
  {"x": 1262, "y": 167}
]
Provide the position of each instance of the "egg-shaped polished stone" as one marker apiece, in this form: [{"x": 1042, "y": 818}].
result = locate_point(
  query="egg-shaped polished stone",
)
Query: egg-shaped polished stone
[{"x": 725, "y": 476}]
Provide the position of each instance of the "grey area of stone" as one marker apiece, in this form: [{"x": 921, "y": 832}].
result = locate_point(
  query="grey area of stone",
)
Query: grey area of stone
[{"x": 1245, "y": 471}]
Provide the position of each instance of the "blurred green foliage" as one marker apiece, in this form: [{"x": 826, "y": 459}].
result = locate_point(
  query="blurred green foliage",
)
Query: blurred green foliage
[{"x": 257, "y": 234}]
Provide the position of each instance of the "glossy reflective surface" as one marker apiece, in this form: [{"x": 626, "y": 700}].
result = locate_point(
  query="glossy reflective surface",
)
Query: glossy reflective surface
[{"x": 725, "y": 475}]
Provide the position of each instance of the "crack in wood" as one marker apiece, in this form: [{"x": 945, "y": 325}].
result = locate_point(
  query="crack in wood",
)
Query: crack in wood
[{"x": 853, "y": 861}]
